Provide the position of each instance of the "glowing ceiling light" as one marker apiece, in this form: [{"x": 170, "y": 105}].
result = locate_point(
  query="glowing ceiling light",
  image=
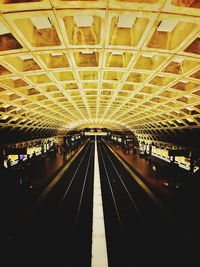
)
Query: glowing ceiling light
[
  {"x": 6, "y": 106},
  {"x": 87, "y": 52},
  {"x": 25, "y": 57},
  {"x": 57, "y": 54},
  {"x": 188, "y": 96},
  {"x": 83, "y": 20},
  {"x": 9, "y": 93},
  {"x": 125, "y": 21},
  {"x": 117, "y": 53},
  {"x": 178, "y": 60},
  {"x": 148, "y": 55},
  {"x": 167, "y": 25},
  {"x": 41, "y": 23},
  {"x": 189, "y": 119},
  {"x": 5, "y": 117},
  {"x": 14, "y": 119}
]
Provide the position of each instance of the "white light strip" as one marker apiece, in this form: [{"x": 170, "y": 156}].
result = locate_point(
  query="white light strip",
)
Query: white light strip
[
  {"x": 41, "y": 23},
  {"x": 149, "y": 55},
  {"x": 183, "y": 81},
  {"x": 87, "y": 52},
  {"x": 96, "y": 133},
  {"x": 83, "y": 20},
  {"x": 99, "y": 248},
  {"x": 125, "y": 21},
  {"x": 167, "y": 25},
  {"x": 25, "y": 57},
  {"x": 6, "y": 106},
  {"x": 5, "y": 117},
  {"x": 117, "y": 53},
  {"x": 57, "y": 54},
  {"x": 178, "y": 60}
]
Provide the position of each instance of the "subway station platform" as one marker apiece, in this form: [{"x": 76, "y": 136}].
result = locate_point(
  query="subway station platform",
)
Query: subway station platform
[
  {"x": 17, "y": 194},
  {"x": 181, "y": 200}
]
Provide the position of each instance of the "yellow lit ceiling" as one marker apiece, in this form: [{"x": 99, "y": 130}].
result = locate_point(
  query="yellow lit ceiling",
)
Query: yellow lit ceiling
[{"x": 117, "y": 64}]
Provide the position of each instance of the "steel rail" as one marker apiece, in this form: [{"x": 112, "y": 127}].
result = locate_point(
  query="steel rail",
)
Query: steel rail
[
  {"x": 126, "y": 189},
  {"x": 72, "y": 179}
]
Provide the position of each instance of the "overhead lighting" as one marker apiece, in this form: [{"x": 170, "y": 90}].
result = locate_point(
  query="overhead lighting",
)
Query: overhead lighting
[
  {"x": 41, "y": 22},
  {"x": 83, "y": 20},
  {"x": 6, "y": 106},
  {"x": 178, "y": 60},
  {"x": 189, "y": 119},
  {"x": 167, "y": 25},
  {"x": 5, "y": 117},
  {"x": 183, "y": 81},
  {"x": 149, "y": 55},
  {"x": 25, "y": 57},
  {"x": 57, "y": 54},
  {"x": 15, "y": 119},
  {"x": 125, "y": 21},
  {"x": 188, "y": 96},
  {"x": 87, "y": 52},
  {"x": 117, "y": 53},
  {"x": 3, "y": 29}
]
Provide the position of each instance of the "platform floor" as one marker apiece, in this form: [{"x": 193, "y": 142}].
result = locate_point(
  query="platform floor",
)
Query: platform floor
[
  {"x": 182, "y": 201},
  {"x": 15, "y": 198},
  {"x": 144, "y": 168}
]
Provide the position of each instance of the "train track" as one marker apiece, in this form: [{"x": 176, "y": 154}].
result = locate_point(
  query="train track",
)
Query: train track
[
  {"x": 138, "y": 231},
  {"x": 60, "y": 230}
]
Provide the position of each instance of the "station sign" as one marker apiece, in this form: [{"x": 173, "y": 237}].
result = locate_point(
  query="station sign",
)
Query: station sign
[{"x": 96, "y": 133}]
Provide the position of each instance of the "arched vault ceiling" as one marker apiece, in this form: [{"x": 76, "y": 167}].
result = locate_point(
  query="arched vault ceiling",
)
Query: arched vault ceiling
[
  {"x": 68, "y": 64},
  {"x": 79, "y": 125}
]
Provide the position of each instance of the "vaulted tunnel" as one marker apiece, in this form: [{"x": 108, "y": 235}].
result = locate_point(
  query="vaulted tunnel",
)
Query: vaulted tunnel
[{"x": 68, "y": 65}]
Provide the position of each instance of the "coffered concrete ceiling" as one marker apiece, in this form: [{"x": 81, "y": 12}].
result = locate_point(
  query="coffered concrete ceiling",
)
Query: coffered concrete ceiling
[{"x": 116, "y": 64}]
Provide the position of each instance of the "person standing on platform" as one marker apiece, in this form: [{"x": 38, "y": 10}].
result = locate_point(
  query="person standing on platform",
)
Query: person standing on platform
[
  {"x": 63, "y": 151},
  {"x": 9, "y": 163}
]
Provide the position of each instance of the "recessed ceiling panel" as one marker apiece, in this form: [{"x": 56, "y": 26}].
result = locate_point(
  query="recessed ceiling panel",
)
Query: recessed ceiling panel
[{"x": 120, "y": 64}]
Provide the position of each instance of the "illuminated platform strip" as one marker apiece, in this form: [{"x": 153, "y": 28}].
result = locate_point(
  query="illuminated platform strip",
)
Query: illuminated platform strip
[
  {"x": 99, "y": 248},
  {"x": 96, "y": 133}
]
